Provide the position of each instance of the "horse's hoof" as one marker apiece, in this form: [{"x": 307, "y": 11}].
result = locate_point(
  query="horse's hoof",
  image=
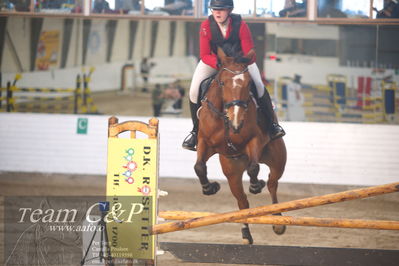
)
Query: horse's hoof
[
  {"x": 210, "y": 188},
  {"x": 246, "y": 236},
  {"x": 246, "y": 241},
  {"x": 257, "y": 187},
  {"x": 279, "y": 229}
]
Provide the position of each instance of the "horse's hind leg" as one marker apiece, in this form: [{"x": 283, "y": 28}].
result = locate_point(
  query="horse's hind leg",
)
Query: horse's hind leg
[
  {"x": 200, "y": 168},
  {"x": 233, "y": 170},
  {"x": 275, "y": 156}
]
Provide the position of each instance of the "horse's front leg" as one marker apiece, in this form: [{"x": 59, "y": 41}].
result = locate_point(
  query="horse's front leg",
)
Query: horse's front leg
[
  {"x": 203, "y": 155},
  {"x": 254, "y": 152},
  {"x": 233, "y": 170}
]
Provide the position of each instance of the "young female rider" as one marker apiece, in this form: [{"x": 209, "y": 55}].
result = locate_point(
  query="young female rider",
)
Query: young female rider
[{"x": 223, "y": 27}]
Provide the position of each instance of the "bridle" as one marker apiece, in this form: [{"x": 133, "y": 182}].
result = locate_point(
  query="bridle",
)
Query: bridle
[
  {"x": 239, "y": 103},
  {"x": 223, "y": 114}
]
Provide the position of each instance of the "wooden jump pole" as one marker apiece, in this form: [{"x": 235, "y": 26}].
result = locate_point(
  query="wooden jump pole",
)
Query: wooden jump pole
[
  {"x": 289, "y": 220},
  {"x": 275, "y": 208}
]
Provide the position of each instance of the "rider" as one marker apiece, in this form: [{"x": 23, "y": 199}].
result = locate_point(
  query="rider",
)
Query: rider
[{"x": 220, "y": 28}]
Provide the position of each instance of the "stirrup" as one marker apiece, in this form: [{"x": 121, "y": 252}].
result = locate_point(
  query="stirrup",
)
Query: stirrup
[
  {"x": 277, "y": 131},
  {"x": 190, "y": 141}
]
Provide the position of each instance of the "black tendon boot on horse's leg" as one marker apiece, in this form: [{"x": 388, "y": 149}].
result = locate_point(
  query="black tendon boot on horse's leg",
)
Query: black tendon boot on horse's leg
[
  {"x": 266, "y": 107},
  {"x": 208, "y": 188},
  {"x": 190, "y": 141},
  {"x": 255, "y": 185},
  {"x": 246, "y": 235}
]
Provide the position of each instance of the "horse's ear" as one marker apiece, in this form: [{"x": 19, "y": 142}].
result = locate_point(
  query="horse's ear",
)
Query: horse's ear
[
  {"x": 250, "y": 55},
  {"x": 221, "y": 54}
]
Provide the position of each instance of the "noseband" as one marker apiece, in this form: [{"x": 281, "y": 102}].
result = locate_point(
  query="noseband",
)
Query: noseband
[{"x": 235, "y": 72}]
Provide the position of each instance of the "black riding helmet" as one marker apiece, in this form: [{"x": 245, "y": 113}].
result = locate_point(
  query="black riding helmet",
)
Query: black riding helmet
[{"x": 221, "y": 4}]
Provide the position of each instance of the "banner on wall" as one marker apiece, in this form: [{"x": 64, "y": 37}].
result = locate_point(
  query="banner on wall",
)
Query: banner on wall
[
  {"x": 131, "y": 193},
  {"x": 47, "y": 49}
]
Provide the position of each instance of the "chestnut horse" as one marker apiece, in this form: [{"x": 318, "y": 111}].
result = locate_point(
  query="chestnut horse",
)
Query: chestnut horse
[{"x": 229, "y": 126}]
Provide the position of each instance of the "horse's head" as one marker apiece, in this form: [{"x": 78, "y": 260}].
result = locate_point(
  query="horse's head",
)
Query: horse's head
[{"x": 234, "y": 79}]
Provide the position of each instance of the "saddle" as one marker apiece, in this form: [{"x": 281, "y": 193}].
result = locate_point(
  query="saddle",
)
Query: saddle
[{"x": 204, "y": 86}]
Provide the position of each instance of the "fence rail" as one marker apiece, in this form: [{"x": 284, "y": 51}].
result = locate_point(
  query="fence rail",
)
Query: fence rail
[
  {"x": 275, "y": 208},
  {"x": 74, "y": 100}
]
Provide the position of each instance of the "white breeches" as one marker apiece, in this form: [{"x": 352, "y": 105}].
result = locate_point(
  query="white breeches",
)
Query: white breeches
[
  {"x": 203, "y": 71},
  {"x": 256, "y": 77}
]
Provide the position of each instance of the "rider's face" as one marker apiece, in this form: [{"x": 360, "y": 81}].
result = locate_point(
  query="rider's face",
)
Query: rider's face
[{"x": 220, "y": 15}]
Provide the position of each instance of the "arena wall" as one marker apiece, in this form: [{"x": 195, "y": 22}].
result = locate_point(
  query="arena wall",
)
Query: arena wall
[
  {"x": 322, "y": 153},
  {"x": 108, "y": 76}
]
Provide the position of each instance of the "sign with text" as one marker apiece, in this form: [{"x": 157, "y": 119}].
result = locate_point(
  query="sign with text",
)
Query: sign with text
[{"x": 131, "y": 191}]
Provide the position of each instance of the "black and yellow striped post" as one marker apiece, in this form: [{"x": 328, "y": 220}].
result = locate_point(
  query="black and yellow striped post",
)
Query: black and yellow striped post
[
  {"x": 17, "y": 77},
  {"x": 88, "y": 105},
  {"x": 85, "y": 81},
  {"x": 8, "y": 96},
  {"x": 9, "y": 101},
  {"x": 10, "y": 90},
  {"x": 1, "y": 97},
  {"x": 77, "y": 95}
]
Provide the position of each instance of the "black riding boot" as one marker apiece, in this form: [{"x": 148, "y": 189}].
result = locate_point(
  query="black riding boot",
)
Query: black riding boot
[
  {"x": 190, "y": 141},
  {"x": 266, "y": 107}
]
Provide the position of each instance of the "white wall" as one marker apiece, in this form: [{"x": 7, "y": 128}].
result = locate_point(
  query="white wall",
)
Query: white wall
[
  {"x": 163, "y": 37},
  {"x": 303, "y": 31},
  {"x": 317, "y": 152},
  {"x": 20, "y": 42},
  {"x": 180, "y": 41},
  {"x": 120, "y": 51},
  {"x": 75, "y": 49},
  {"x": 106, "y": 76}
]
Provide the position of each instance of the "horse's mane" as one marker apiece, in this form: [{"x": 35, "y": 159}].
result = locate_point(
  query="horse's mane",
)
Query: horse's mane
[{"x": 235, "y": 52}]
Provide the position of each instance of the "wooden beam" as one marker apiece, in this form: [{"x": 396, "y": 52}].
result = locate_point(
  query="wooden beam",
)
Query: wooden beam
[
  {"x": 150, "y": 129},
  {"x": 275, "y": 208},
  {"x": 288, "y": 220}
]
